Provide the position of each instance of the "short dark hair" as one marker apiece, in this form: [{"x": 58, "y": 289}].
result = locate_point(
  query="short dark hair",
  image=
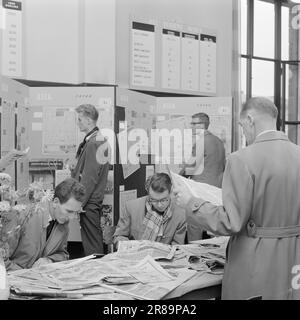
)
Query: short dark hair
[
  {"x": 203, "y": 117},
  {"x": 260, "y": 104},
  {"x": 159, "y": 182},
  {"x": 89, "y": 111},
  {"x": 69, "y": 188}
]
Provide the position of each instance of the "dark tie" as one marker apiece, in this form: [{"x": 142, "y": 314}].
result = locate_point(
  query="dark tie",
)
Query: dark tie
[
  {"x": 82, "y": 144},
  {"x": 50, "y": 228},
  {"x": 80, "y": 147}
]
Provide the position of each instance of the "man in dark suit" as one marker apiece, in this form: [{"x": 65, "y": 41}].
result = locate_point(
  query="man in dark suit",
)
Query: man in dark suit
[
  {"x": 208, "y": 163},
  {"x": 211, "y": 157},
  {"x": 92, "y": 173},
  {"x": 154, "y": 217}
]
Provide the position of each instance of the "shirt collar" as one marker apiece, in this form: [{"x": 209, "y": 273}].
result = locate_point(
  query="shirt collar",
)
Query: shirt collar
[
  {"x": 89, "y": 134},
  {"x": 265, "y": 131}
]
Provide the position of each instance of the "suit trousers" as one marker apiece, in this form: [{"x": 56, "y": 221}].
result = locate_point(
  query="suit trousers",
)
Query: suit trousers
[{"x": 91, "y": 232}]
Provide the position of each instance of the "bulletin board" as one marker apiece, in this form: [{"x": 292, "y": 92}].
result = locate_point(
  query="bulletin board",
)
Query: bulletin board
[
  {"x": 176, "y": 113},
  {"x": 133, "y": 111}
]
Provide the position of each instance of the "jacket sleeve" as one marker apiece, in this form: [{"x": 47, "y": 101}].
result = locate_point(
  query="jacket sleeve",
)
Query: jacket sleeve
[
  {"x": 26, "y": 250},
  {"x": 237, "y": 194},
  {"x": 123, "y": 228},
  {"x": 91, "y": 171},
  {"x": 179, "y": 236}
]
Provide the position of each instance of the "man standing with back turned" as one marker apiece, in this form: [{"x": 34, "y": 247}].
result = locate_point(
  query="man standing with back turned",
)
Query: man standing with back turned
[
  {"x": 92, "y": 173},
  {"x": 261, "y": 209}
]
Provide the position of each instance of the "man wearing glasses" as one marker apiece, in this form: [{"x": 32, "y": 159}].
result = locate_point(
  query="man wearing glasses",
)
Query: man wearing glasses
[
  {"x": 154, "y": 217},
  {"x": 44, "y": 236},
  {"x": 207, "y": 164}
]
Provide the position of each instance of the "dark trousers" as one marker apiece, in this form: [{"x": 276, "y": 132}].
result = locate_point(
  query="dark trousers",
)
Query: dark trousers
[{"x": 91, "y": 232}]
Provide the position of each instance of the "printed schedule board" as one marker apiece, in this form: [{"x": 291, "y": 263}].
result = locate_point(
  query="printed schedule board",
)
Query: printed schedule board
[{"x": 173, "y": 58}]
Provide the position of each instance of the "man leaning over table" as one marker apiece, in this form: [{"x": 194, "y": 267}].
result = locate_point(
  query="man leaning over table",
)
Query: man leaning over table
[
  {"x": 45, "y": 234},
  {"x": 154, "y": 217},
  {"x": 261, "y": 209}
]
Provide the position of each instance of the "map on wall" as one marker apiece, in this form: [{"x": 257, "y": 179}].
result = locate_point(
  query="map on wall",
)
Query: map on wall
[{"x": 59, "y": 128}]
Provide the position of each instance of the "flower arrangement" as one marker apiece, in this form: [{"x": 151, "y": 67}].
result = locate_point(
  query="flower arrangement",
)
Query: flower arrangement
[{"x": 14, "y": 216}]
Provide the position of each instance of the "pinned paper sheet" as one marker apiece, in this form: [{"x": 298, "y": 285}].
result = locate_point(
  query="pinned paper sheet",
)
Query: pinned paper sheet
[
  {"x": 61, "y": 175},
  {"x": 149, "y": 171},
  {"x": 37, "y": 126},
  {"x": 38, "y": 115}
]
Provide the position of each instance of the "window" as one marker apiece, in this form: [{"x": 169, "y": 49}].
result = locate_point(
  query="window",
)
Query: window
[{"x": 270, "y": 58}]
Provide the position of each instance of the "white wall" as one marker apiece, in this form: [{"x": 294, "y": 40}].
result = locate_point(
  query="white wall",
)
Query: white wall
[
  {"x": 76, "y": 41},
  {"x": 211, "y": 14},
  {"x": 99, "y": 41},
  {"x": 52, "y": 40}
]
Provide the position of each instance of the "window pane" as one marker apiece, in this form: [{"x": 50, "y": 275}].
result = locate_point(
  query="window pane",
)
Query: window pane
[
  {"x": 285, "y": 33},
  {"x": 243, "y": 79},
  {"x": 244, "y": 8},
  {"x": 291, "y": 92},
  {"x": 290, "y": 25},
  {"x": 263, "y": 79},
  {"x": 292, "y": 132},
  {"x": 264, "y": 21}
]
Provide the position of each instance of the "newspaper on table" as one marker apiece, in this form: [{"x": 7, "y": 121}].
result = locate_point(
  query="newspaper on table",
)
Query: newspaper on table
[
  {"x": 199, "y": 189},
  {"x": 81, "y": 274},
  {"x": 154, "y": 282},
  {"x": 139, "y": 249},
  {"x": 143, "y": 279},
  {"x": 207, "y": 255}
]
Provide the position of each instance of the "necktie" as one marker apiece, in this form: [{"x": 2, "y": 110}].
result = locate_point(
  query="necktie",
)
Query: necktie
[
  {"x": 50, "y": 228},
  {"x": 82, "y": 144}
]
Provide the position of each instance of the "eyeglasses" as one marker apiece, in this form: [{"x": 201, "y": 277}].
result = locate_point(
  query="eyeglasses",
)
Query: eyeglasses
[
  {"x": 195, "y": 123},
  {"x": 161, "y": 201}
]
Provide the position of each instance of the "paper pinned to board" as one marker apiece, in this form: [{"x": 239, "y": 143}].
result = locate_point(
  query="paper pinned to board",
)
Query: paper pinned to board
[{"x": 198, "y": 189}]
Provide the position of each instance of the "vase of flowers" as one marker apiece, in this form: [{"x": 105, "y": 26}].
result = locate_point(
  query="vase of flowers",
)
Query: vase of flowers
[{"x": 13, "y": 218}]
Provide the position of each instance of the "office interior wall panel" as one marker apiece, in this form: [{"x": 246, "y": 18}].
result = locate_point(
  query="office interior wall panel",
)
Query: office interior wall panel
[
  {"x": 14, "y": 97},
  {"x": 54, "y": 132}
]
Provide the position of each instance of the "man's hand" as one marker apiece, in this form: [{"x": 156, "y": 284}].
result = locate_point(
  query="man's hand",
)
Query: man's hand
[
  {"x": 41, "y": 261},
  {"x": 182, "y": 194}
]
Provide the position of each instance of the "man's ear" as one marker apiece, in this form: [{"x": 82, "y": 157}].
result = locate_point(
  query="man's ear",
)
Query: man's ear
[
  {"x": 250, "y": 119},
  {"x": 56, "y": 202}
]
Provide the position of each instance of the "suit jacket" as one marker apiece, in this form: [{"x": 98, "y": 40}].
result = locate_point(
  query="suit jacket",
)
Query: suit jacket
[
  {"x": 214, "y": 161},
  {"x": 260, "y": 189},
  {"x": 130, "y": 225},
  {"x": 32, "y": 243},
  {"x": 91, "y": 173}
]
